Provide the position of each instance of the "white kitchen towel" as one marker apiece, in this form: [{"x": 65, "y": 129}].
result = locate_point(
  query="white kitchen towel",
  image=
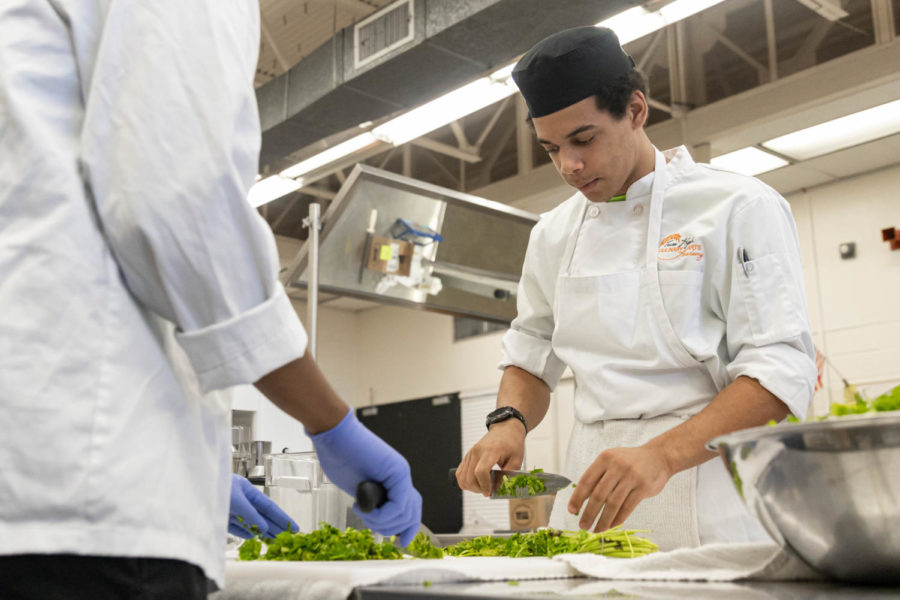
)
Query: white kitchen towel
[
  {"x": 714, "y": 562},
  {"x": 657, "y": 590},
  {"x": 282, "y": 590},
  {"x": 336, "y": 577}
]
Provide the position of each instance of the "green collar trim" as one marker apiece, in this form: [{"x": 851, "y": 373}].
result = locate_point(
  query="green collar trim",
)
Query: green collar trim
[{"x": 619, "y": 198}]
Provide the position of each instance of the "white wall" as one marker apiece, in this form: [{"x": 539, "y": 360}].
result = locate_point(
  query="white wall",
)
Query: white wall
[
  {"x": 407, "y": 353},
  {"x": 853, "y": 303}
]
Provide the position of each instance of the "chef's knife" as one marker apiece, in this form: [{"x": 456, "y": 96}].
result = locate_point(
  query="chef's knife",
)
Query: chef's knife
[
  {"x": 552, "y": 482},
  {"x": 371, "y": 495}
]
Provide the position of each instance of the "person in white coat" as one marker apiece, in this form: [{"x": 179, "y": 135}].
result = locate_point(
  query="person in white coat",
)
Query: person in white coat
[
  {"x": 135, "y": 281},
  {"x": 672, "y": 290}
]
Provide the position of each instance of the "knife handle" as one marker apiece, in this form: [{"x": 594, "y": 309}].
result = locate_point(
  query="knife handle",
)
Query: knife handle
[
  {"x": 452, "y": 478},
  {"x": 370, "y": 495}
]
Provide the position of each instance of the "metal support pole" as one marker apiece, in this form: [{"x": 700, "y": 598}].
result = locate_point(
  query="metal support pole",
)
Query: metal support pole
[{"x": 314, "y": 223}]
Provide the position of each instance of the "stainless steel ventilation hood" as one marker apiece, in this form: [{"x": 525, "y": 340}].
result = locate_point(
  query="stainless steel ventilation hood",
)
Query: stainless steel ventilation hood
[{"x": 472, "y": 271}]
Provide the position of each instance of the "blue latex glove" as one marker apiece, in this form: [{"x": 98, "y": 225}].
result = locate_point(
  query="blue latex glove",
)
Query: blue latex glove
[
  {"x": 249, "y": 507},
  {"x": 350, "y": 453}
]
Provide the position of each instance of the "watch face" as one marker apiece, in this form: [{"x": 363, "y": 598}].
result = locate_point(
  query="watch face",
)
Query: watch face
[{"x": 499, "y": 414}]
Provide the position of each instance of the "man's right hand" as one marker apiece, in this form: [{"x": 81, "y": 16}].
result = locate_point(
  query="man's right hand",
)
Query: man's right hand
[
  {"x": 350, "y": 454},
  {"x": 503, "y": 445}
]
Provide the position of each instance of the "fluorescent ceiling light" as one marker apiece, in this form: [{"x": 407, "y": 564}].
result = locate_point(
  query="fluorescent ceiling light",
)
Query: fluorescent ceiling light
[
  {"x": 271, "y": 188},
  {"x": 749, "y": 161},
  {"x": 446, "y": 109},
  {"x": 858, "y": 128},
  {"x": 504, "y": 73},
  {"x": 637, "y": 22},
  {"x": 360, "y": 142}
]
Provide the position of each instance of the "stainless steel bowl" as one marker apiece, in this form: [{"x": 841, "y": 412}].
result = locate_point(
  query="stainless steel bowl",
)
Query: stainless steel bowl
[{"x": 829, "y": 490}]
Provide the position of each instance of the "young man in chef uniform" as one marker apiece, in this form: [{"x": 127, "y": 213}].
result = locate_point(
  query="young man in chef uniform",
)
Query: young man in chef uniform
[
  {"x": 673, "y": 290},
  {"x": 135, "y": 279}
]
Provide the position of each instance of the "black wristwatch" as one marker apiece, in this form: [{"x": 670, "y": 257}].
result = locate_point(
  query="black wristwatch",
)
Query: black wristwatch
[{"x": 503, "y": 413}]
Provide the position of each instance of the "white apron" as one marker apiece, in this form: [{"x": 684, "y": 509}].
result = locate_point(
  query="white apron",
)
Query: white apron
[{"x": 627, "y": 312}]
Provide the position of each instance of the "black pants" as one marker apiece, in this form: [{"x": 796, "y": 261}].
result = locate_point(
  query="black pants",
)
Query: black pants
[{"x": 71, "y": 577}]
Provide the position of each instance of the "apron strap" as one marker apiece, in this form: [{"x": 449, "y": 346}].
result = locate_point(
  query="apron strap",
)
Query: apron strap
[{"x": 651, "y": 271}]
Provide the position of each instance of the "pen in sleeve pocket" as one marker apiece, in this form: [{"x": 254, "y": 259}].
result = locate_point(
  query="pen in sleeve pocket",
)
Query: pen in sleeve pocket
[{"x": 744, "y": 259}]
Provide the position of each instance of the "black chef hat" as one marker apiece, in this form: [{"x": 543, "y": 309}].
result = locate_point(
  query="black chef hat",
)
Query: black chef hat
[{"x": 568, "y": 67}]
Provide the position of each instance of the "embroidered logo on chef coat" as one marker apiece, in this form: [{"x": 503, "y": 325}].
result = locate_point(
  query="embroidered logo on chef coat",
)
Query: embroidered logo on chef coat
[{"x": 677, "y": 245}]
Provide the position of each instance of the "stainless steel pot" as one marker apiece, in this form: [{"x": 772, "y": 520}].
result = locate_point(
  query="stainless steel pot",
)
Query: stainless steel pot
[{"x": 829, "y": 490}]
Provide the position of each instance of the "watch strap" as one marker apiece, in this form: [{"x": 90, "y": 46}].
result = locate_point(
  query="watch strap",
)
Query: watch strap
[{"x": 502, "y": 414}]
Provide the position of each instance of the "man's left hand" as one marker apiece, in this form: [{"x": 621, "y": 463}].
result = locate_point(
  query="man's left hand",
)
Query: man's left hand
[
  {"x": 251, "y": 512},
  {"x": 616, "y": 482}
]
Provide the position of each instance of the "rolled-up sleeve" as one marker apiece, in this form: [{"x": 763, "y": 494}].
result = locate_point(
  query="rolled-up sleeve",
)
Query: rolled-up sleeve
[
  {"x": 169, "y": 148},
  {"x": 528, "y": 343},
  {"x": 767, "y": 323}
]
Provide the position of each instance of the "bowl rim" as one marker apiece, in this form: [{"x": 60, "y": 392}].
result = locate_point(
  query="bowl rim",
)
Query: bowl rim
[{"x": 843, "y": 423}]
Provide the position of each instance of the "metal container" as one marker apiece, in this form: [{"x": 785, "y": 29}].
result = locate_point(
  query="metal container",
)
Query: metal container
[
  {"x": 296, "y": 482},
  {"x": 829, "y": 491}
]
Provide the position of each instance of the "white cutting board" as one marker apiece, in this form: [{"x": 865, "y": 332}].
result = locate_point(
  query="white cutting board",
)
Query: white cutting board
[{"x": 400, "y": 572}]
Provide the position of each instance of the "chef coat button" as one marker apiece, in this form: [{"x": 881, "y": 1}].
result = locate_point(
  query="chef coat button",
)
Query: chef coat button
[
  {"x": 593, "y": 211},
  {"x": 750, "y": 267},
  {"x": 638, "y": 210}
]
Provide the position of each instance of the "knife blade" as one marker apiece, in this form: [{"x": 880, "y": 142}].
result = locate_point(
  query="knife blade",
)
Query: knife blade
[{"x": 552, "y": 482}]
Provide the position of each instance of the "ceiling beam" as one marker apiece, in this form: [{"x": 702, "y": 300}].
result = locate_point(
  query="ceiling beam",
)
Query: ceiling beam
[
  {"x": 761, "y": 69},
  {"x": 883, "y": 16},
  {"x": 805, "y": 56},
  {"x": 358, "y": 6},
  {"x": 771, "y": 40},
  {"x": 317, "y": 192},
  {"x": 460, "y": 135},
  {"x": 270, "y": 40},
  {"x": 447, "y": 149},
  {"x": 498, "y": 111},
  {"x": 836, "y": 88}
]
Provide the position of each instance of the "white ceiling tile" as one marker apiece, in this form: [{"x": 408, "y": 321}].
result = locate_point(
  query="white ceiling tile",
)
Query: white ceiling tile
[
  {"x": 859, "y": 159},
  {"x": 794, "y": 177}
]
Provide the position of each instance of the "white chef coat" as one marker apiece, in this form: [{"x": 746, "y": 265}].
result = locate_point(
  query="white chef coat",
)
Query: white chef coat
[
  {"x": 135, "y": 278},
  {"x": 729, "y": 322}
]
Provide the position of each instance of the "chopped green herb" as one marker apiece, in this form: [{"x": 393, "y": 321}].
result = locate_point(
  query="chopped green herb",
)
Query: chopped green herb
[
  {"x": 427, "y": 583},
  {"x": 532, "y": 486},
  {"x": 857, "y": 405},
  {"x": 883, "y": 403},
  {"x": 250, "y": 549},
  {"x": 421, "y": 547},
  {"x": 573, "y": 485},
  {"x": 512, "y": 582},
  {"x": 325, "y": 543},
  {"x": 615, "y": 542}
]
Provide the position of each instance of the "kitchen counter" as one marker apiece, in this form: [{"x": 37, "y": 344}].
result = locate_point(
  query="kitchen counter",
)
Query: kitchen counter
[{"x": 638, "y": 590}]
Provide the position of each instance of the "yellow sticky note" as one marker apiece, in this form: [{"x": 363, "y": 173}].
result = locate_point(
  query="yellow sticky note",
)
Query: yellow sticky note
[{"x": 386, "y": 253}]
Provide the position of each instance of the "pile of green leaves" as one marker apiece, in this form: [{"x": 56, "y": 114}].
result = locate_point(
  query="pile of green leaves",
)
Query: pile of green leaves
[
  {"x": 325, "y": 543},
  {"x": 532, "y": 485},
  {"x": 858, "y": 406},
  {"x": 421, "y": 547},
  {"x": 883, "y": 403},
  {"x": 615, "y": 542},
  {"x": 329, "y": 543}
]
